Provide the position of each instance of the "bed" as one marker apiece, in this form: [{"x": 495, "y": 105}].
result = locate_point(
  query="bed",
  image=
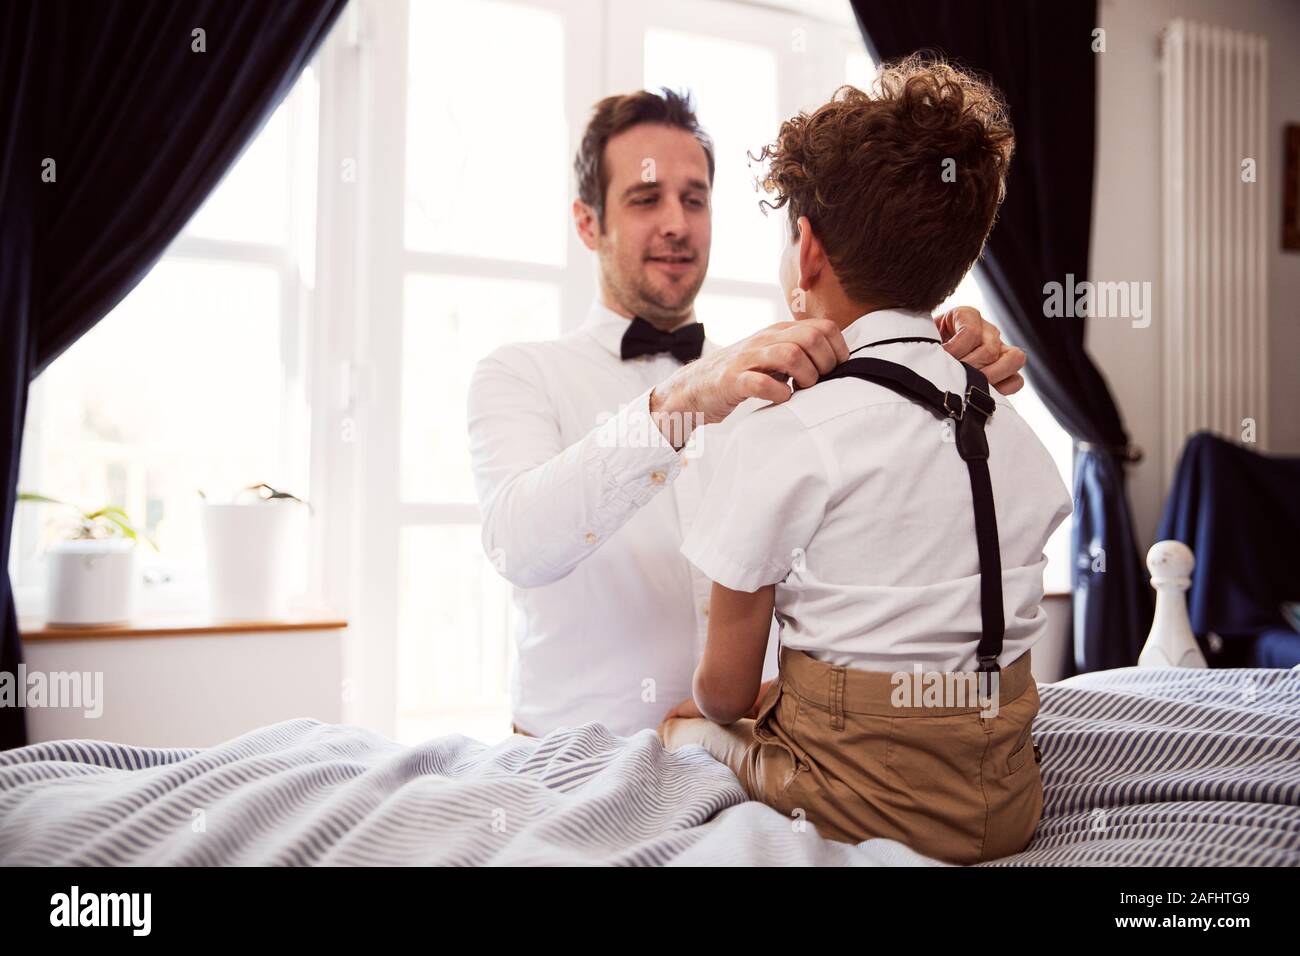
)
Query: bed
[{"x": 1141, "y": 766}]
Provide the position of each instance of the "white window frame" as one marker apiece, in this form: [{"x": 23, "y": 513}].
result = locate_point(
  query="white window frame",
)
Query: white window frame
[{"x": 372, "y": 660}]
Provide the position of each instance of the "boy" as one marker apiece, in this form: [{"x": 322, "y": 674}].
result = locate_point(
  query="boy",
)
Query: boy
[{"x": 878, "y": 512}]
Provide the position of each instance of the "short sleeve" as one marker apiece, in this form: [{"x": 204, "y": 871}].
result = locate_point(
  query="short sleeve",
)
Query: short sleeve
[{"x": 765, "y": 500}]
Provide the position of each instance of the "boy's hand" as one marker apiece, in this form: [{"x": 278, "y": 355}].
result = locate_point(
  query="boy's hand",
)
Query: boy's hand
[
  {"x": 688, "y": 709},
  {"x": 762, "y": 692},
  {"x": 968, "y": 338}
]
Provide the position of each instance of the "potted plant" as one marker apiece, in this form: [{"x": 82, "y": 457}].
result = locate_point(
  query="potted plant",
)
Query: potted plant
[
  {"x": 91, "y": 573},
  {"x": 248, "y": 543}
]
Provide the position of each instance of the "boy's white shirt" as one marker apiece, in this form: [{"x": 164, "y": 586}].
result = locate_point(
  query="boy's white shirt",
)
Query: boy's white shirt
[{"x": 854, "y": 502}]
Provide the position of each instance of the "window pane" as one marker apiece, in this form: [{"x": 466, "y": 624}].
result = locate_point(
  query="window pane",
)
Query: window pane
[
  {"x": 450, "y": 323},
  {"x": 859, "y": 71},
  {"x": 729, "y": 318},
  {"x": 305, "y": 147},
  {"x": 477, "y": 160},
  {"x": 179, "y": 388},
  {"x": 251, "y": 204},
  {"x": 734, "y": 85},
  {"x": 455, "y": 646}
]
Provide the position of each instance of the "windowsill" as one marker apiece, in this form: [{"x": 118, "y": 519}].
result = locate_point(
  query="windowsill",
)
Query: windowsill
[
  {"x": 175, "y": 625},
  {"x": 1058, "y": 594}
]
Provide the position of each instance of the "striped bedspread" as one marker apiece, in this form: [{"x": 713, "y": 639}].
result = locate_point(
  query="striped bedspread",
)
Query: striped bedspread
[
  {"x": 1155, "y": 767},
  {"x": 1139, "y": 767}
]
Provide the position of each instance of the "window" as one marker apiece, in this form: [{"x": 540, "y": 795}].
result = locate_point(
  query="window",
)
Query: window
[
  {"x": 468, "y": 162},
  {"x": 734, "y": 88},
  {"x": 462, "y": 285},
  {"x": 117, "y": 419}
]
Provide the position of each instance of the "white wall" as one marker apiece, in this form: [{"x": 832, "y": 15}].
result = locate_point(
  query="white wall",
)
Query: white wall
[
  {"x": 1126, "y": 237},
  {"x": 189, "y": 690}
]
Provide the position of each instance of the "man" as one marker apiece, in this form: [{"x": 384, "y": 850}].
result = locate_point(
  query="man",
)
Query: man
[{"x": 586, "y": 461}]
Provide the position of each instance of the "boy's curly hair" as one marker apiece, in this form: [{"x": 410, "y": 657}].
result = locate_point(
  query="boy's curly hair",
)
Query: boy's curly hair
[{"x": 901, "y": 184}]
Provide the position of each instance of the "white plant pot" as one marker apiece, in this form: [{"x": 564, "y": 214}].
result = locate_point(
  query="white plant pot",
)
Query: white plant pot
[
  {"x": 90, "y": 582},
  {"x": 248, "y": 555}
]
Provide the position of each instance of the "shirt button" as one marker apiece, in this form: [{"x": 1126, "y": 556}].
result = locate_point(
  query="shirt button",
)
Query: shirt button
[
  {"x": 704, "y": 609},
  {"x": 590, "y": 538},
  {"x": 658, "y": 477}
]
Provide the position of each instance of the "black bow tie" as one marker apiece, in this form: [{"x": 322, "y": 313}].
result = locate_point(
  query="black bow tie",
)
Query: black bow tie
[{"x": 642, "y": 338}]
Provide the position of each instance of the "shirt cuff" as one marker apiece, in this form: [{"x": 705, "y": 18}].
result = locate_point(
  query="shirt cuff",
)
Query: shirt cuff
[{"x": 633, "y": 456}]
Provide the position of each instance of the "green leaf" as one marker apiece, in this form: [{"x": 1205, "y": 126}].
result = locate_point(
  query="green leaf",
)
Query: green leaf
[
  {"x": 108, "y": 511},
  {"x": 112, "y": 514},
  {"x": 121, "y": 523},
  {"x": 43, "y": 499}
]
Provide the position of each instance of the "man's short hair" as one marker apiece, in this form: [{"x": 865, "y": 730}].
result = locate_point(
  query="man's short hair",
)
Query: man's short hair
[
  {"x": 613, "y": 115},
  {"x": 901, "y": 185}
]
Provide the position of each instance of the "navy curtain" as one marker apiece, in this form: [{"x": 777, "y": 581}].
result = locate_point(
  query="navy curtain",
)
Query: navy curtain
[
  {"x": 1040, "y": 56},
  {"x": 116, "y": 121}
]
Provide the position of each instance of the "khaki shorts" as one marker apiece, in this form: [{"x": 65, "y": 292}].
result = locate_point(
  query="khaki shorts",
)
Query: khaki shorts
[{"x": 832, "y": 745}]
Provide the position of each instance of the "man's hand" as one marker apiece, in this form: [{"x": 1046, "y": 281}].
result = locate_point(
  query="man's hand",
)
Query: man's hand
[
  {"x": 968, "y": 338},
  {"x": 757, "y": 367}
]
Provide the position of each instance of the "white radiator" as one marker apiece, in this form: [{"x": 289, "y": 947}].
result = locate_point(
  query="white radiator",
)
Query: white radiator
[{"x": 1215, "y": 85}]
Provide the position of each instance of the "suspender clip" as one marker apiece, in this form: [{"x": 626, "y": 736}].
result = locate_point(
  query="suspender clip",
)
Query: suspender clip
[
  {"x": 951, "y": 399},
  {"x": 988, "y": 667},
  {"x": 981, "y": 401}
]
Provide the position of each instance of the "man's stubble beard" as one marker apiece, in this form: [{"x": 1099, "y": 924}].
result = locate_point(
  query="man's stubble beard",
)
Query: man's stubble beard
[{"x": 635, "y": 293}]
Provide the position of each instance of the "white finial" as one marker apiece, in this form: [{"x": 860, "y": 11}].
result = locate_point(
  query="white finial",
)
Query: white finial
[
  {"x": 1171, "y": 642},
  {"x": 1171, "y": 562}
]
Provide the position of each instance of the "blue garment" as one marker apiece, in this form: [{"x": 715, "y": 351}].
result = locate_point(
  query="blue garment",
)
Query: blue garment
[
  {"x": 1239, "y": 512},
  {"x": 1112, "y": 597},
  {"x": 1277, "y": 648}
]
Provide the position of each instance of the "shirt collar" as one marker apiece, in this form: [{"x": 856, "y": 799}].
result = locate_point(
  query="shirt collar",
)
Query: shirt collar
[
  {"x": 607, "y": 327},
  {"x": 889, "y": 324}
]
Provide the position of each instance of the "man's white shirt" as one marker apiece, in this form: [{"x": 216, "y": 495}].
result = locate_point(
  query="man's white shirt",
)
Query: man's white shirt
[
  {"x": 854, "y": 502},
  {"x": 585, "y": 507}
]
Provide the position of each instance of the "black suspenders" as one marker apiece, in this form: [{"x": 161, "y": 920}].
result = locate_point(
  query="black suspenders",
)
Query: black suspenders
[{"x": 970, "y": 415}]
